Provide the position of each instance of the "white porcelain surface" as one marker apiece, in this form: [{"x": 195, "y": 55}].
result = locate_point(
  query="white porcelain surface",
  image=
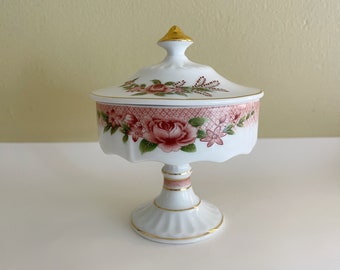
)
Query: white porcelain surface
[
  {"x": 177, "y": 215},
  {"x": 226, "y": 131},
  {"x": 185, "y": 74},
  {"x": 177, "y": 112},
  {"x": 177, "y": 227}
]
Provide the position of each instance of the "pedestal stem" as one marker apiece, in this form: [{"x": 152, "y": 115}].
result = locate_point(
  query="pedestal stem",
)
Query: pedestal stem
[
  {"x": 177, "y": 193},
  {"x": 177, "y": 215}
]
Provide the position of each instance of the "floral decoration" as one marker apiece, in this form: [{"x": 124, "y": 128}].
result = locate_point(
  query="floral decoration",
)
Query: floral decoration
[
  {"x": 177, "y": 130},
  {"x": 158, "y": 88}
]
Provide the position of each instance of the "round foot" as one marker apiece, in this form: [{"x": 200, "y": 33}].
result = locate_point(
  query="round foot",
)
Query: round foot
[{"x": 179, "y": 226}]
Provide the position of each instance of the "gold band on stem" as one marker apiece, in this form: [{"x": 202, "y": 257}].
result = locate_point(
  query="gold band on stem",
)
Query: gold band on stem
[
  {"x": 177, "y": 189},
  {"x": 150, "y": 235},
  {"x": 177, "y": 210},
  {"x": 182, "y": 173}
]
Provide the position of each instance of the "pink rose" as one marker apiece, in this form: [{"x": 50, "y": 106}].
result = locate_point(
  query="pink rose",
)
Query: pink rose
[
  {"x": 169, "y": 134},
  {"x": 157, "y": 88}
]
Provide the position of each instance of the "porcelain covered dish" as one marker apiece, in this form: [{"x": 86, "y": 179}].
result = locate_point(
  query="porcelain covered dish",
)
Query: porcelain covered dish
[{"x": 177, "y": 112}]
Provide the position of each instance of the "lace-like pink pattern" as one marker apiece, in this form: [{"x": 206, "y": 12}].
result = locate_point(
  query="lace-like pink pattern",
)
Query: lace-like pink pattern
[{"x": 174, "y": 129}]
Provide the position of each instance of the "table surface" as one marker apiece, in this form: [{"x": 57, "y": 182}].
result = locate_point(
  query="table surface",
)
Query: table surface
[{"x": 67, "y": 206}]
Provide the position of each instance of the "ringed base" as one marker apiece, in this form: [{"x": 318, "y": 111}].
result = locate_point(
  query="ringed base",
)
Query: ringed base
[{"x": 177, "y": 227}]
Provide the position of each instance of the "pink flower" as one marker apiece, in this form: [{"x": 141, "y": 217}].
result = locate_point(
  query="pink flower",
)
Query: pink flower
[
  {"x": 134, "y": 89},
  {"x": 223, "y": 119},
  {"x": 113, "y": 118},
  {"x": 169, "y": 134},
  {"x": 131, "y": 126},
  {"x": 214, "y": 137},
  {"x": 130, "y": 119},
  {"x": 158, "y": 88},
  {"x": 234, "y": 117},
  {"x": 177, "y": 89},
  {"x": 136, "y": 131}
]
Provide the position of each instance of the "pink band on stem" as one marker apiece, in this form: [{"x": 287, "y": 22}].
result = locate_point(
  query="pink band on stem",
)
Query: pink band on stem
[{"x": 177, "y": 183}]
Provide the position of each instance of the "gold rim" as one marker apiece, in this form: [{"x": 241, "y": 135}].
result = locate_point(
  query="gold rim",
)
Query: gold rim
[
  {"x": 177, "y": 210},
  {"x": 177, "y": 189},
  {"x": 150, "y": 235},
  {"x": 180, "y": 99},
  {"x": 182, "y": 173}
]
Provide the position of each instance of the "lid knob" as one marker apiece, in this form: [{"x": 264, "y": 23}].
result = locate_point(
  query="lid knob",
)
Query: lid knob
[
  {"x": 175, "y": 33},
  {"x": 175, "y": 42}
]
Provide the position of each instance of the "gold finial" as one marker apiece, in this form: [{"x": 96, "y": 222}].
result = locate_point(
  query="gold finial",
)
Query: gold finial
[{"x": 175, "y": 33}]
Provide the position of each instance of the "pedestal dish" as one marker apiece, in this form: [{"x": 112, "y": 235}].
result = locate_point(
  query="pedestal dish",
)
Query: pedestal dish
[{"x": 177, "y": 112}]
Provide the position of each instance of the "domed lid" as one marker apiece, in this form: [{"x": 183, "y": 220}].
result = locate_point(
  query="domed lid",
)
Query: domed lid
[{"x": 177, "y": 81}]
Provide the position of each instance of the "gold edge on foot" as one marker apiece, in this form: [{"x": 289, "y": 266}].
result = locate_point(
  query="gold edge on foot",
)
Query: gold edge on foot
[
  {"x": 177, "y": 210},
  {"x": 154, "y": 236}
]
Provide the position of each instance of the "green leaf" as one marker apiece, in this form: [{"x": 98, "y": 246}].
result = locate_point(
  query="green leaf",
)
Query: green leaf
[
  {"x": 130, "y": 86},
  {"x": 140, "y": 94},
  {"x": 160, "y": 94},
  {"x": 114, "y": 129},
  {"x": 241, "y": 121},
  {"x": 169, "y": 83},
  {"x": 200, "y": 89},
  {"x": 197, "y": 121},
  {"x": 146, "y": 146},
  {"x": 189, "y": 148},
  {"x": 125, "y": 138},
  {"x": 187, "y": 89},
  {"x": 229, "y": 129},
  {"x": 125, "y": 127},
  {"x": 156, "y": 81},
  {"x": 252, "y": 112},
  {"x": 181, "y": 94},
  {"x": 107, "y": 128},
  {"x": 248, "y": 115},
  {"x": 201, "y": 134},
  {"x": 105, "y": 116}
]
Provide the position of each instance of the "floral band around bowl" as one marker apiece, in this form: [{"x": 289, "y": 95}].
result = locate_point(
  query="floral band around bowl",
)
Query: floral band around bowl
[{"x": 175, "y": 129}]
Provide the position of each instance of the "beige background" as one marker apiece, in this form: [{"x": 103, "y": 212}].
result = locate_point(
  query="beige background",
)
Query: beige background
[{"x": 53, "y": 53}]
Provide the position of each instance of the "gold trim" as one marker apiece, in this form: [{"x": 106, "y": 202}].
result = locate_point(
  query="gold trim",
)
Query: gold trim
[
  {"x": 175, "y": 33},
  {"x": 177, "y": 189},
  {"x": 177, "y": 210},
  {"x": 179, "y": 99},
  {"x": 182, "y": 173},
  {"x": 150, "y": 235},
  {"x": 176, "y": 180}
]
